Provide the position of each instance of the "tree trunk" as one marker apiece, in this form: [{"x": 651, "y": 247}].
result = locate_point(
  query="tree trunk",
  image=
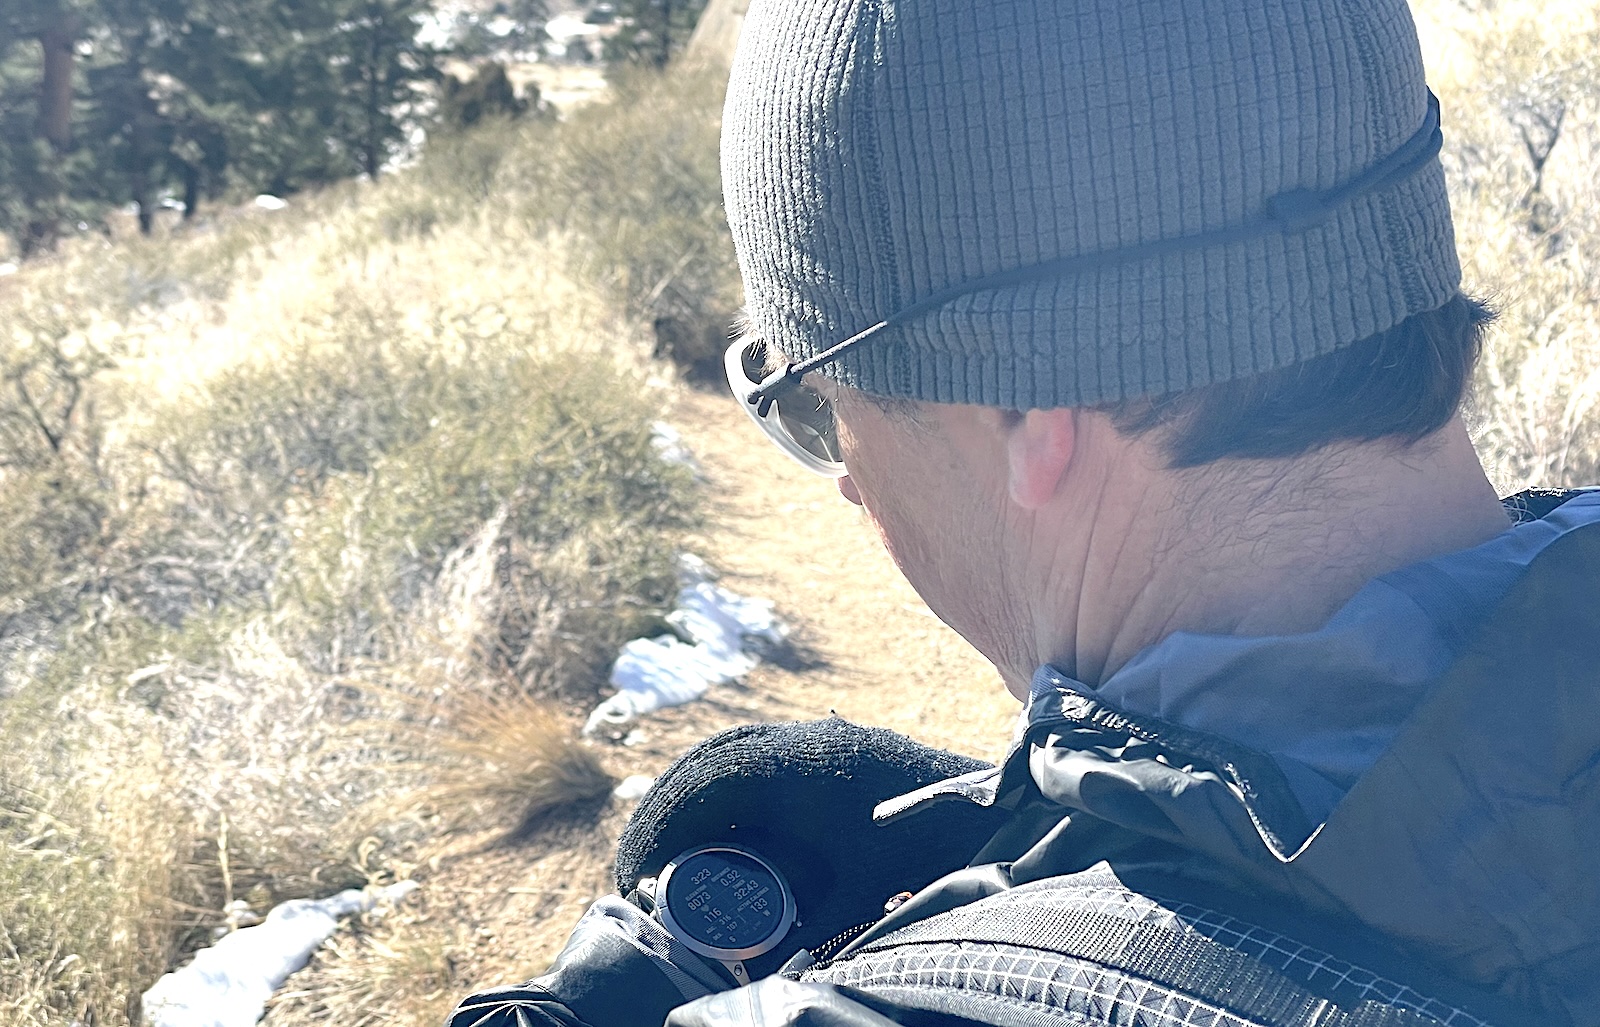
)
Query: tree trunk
[
  {"x": 55, "y": 90},
  {"x": 39, "y": 235},
  {"x": 717, "y": 32},
  {"x": 372, "y": 157},
  {"x": 143, "y": 198},
  {"x": 141, "y": 159},
  {"x": 191, "y": 191},
  {"x": 664, "y": 54}
]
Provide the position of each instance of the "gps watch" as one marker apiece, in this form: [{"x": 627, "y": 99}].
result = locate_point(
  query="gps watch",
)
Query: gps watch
[{"x": 722, "y": 902}]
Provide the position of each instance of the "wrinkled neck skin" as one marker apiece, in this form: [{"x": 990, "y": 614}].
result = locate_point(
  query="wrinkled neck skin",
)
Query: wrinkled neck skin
[{"x": 1129, "y": 551}]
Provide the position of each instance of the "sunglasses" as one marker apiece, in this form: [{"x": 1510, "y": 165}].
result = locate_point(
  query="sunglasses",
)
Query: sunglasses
[
  {"x": 795, "y": 416},
  {"x": 800, "y": 419}
]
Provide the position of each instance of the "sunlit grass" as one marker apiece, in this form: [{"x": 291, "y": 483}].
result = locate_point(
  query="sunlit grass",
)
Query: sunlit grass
[
  {"x": 1507, "y": 72},
  {"x": 317, "y": 527}
]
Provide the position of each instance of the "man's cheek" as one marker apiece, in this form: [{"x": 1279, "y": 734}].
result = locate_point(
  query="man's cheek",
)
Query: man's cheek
[{"x": 909, "y": 547}]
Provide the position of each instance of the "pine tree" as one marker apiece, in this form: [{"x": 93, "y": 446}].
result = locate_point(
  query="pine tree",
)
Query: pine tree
[
  {"x": 652, "y": 32},
  {"x": 507, "y": 30},
  {"x": 106, "y": 102},
  {"x": 381, "y": 67},
  {"x": 42, "y": 183},
  {"x": 487, "y": 94}
]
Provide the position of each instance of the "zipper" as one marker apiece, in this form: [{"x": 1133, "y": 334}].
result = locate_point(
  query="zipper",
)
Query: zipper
[{"x": 825, "y": 953}]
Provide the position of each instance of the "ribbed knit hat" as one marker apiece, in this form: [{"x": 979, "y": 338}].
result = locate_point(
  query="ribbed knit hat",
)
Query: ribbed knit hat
[{"x": 1066, "y": 202}]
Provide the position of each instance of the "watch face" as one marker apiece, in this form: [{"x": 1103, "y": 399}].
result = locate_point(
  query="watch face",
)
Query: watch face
[{"x": 725, "y": 903}]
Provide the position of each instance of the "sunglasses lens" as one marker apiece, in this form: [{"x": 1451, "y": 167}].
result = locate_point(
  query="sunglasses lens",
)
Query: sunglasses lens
[
  {"x": 808, "y": 420},
  {"x": 800, "y": 421}
]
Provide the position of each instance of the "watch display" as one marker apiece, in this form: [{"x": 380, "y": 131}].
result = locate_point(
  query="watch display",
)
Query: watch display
[{"x": 724, "y": 902}]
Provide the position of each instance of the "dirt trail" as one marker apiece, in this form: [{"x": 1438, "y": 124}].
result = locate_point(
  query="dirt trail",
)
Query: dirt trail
[
  {"x": 496, "y": 912},
  {"x": 779, "y": 531}
]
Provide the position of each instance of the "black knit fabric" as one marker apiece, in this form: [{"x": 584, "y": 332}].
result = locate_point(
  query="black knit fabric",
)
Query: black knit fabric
[{"x": 802, "y": 795}]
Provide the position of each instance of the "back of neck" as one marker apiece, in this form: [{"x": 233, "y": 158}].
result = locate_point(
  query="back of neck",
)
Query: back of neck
[{"x": 1265, "y": 547}]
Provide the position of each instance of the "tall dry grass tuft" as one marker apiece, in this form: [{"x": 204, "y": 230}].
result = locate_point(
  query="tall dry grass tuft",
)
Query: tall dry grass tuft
[
  {"x": 510, "y": 755},
  {"x": 95, "y": 890},
  {"x": 489, "y": 762}
]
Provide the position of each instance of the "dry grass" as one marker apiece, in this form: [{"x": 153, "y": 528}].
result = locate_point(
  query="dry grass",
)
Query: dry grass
[
  {"x": 396, "y": 435},
  {"x": 93, "y": 882},
  {"x": 398, "y": 970},
  {"x": 493, "y": 761},
  {"x": 496, "y": 916},
  {"x": 1520, "y": 83}
]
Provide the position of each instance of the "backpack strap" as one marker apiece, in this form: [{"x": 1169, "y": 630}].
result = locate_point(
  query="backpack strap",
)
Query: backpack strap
[{"x": 1171, "y": 957}]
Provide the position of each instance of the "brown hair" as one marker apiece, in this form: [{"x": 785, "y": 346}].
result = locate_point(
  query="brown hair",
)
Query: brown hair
[{"x": 1405, "y": 384}]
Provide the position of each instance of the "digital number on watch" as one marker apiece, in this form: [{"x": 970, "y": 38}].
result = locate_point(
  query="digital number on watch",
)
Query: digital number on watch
[{"x": 725, "y": 903}]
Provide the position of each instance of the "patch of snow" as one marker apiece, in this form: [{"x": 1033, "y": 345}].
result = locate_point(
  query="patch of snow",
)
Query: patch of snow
[
  {"x": 8, "y": 268},
  {"x": 581, "y": 86},
  {"x": 668, "y": 443},
  {"x": 266, "y": 201},
  {"x": 438, "y": 27},
  {"x": 633, "y": 787},
  {"x": 722, "y": 637},
  {"x": 229, "y": 984},
  {"x": 564, "y": 28},
  {"x": 238, "y": 915},
  {"x": 569, "y": 37}
]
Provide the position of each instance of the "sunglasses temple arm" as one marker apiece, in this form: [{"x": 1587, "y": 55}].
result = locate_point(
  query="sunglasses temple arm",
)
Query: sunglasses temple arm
[{"x": 787, "y": 377}]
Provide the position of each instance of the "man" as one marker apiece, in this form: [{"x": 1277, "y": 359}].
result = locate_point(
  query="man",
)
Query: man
[{"x": 1136, "y": 328}]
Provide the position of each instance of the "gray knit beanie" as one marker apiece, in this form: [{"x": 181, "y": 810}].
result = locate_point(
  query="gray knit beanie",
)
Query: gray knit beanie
[{"x": 1047, "y": 203}]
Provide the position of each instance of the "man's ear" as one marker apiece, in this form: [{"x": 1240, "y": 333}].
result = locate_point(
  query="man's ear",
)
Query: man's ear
[{"x": 1039, "y": 448}]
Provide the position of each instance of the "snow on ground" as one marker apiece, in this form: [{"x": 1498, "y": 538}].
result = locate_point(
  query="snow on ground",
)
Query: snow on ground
[
  {"x": 633, "y": 787},
  {"x": 229, "y": 984},
  {"x": 722, "y": 637}
]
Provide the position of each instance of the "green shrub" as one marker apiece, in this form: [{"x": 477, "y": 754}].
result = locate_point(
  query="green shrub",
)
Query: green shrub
[
  {"x": 639, "y": 177},
  {"x": 56, "y": 506},
  {"x": 632, "y": 182},
  {"x": 590, "y": 520}
]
